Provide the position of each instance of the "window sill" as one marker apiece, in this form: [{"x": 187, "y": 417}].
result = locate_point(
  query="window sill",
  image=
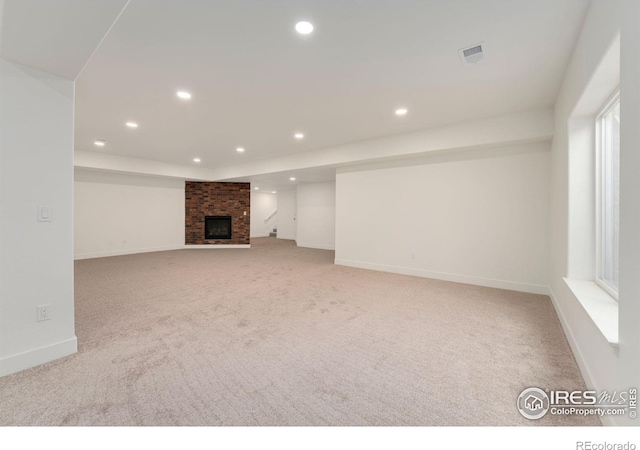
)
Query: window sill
[{"x": 599, "y": 305}]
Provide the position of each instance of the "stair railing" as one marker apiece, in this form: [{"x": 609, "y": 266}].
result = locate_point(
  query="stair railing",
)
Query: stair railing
[{"x": 271, "y": 216}]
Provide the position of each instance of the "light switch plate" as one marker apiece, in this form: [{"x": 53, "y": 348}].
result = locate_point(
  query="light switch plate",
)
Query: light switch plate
[{"x": 45, "y": 214}]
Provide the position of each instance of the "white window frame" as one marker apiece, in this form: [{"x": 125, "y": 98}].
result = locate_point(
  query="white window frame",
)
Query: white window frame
[{"x": 601, "y": 144}]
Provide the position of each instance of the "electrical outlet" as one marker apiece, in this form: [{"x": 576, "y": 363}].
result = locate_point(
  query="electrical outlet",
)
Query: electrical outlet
[{"x": 44, "y": 312}]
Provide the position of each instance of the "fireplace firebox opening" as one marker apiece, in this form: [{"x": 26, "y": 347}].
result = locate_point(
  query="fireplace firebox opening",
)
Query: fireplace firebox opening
[{"x": 217, "y": 227}]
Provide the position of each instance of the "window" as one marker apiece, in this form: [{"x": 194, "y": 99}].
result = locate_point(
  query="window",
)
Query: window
[{"x": 608, "y": 195}]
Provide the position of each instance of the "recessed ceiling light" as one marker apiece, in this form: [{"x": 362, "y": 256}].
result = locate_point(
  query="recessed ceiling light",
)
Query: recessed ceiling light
[
  {"x": 132, "y": 125},
  {"x": 184, "y": 95},
  {"x": 100, "y": 142},
  {"x": 401, "y": 111},
  {"x": 256, "y": 188},
  {"x": 196, "y": 160},
  {"x": 304, "y": 27},
  {"x": 274, "y": 192},
  {"x": 298, "y": 136},
  {"x": 240, "y": 150},
  {"x": 292, "y": 178}
]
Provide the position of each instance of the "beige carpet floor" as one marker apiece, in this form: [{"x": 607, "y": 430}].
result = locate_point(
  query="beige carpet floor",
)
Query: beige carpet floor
[{"x": 278, "y": 335}]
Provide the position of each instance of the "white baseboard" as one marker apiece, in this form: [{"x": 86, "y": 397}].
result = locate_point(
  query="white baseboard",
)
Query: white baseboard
[
  {"x": 132, "y": 251},
  {"x": 467, "y": 279},
  {"x": 318, "y": 246},
  {"x": 156, "y": 249},
  {"x": 31, "y": 358}
]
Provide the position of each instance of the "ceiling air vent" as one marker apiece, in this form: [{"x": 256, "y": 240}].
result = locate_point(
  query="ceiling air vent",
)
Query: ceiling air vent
[{"x": 472, "y": 55}]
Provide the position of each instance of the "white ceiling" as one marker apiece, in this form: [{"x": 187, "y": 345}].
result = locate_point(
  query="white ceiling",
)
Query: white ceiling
[
  {"x": 55, "y": 36},
  {"x": 281, "y": 180},
  {"x": 255, "y": 81}
]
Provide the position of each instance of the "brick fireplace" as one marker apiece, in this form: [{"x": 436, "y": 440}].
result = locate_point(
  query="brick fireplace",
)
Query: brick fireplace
[{"x": 206, "y": 202}]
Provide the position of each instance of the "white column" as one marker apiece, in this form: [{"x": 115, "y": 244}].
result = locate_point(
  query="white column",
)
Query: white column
[{"x": 36, "y": 256}]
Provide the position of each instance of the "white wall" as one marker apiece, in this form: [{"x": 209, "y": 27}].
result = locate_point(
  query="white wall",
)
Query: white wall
[
  {"x": 287, "y": 214},
  {"x": 629, "y": 293},
  {"x": 316, "y": 215},
  {"x": 262, "y": 207},
  {"x": 117, "y": 214},
  {"x": 589, "y": 79},
  {"x": 36, "y": 258},
  {"x": 481, "y": 221}
]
